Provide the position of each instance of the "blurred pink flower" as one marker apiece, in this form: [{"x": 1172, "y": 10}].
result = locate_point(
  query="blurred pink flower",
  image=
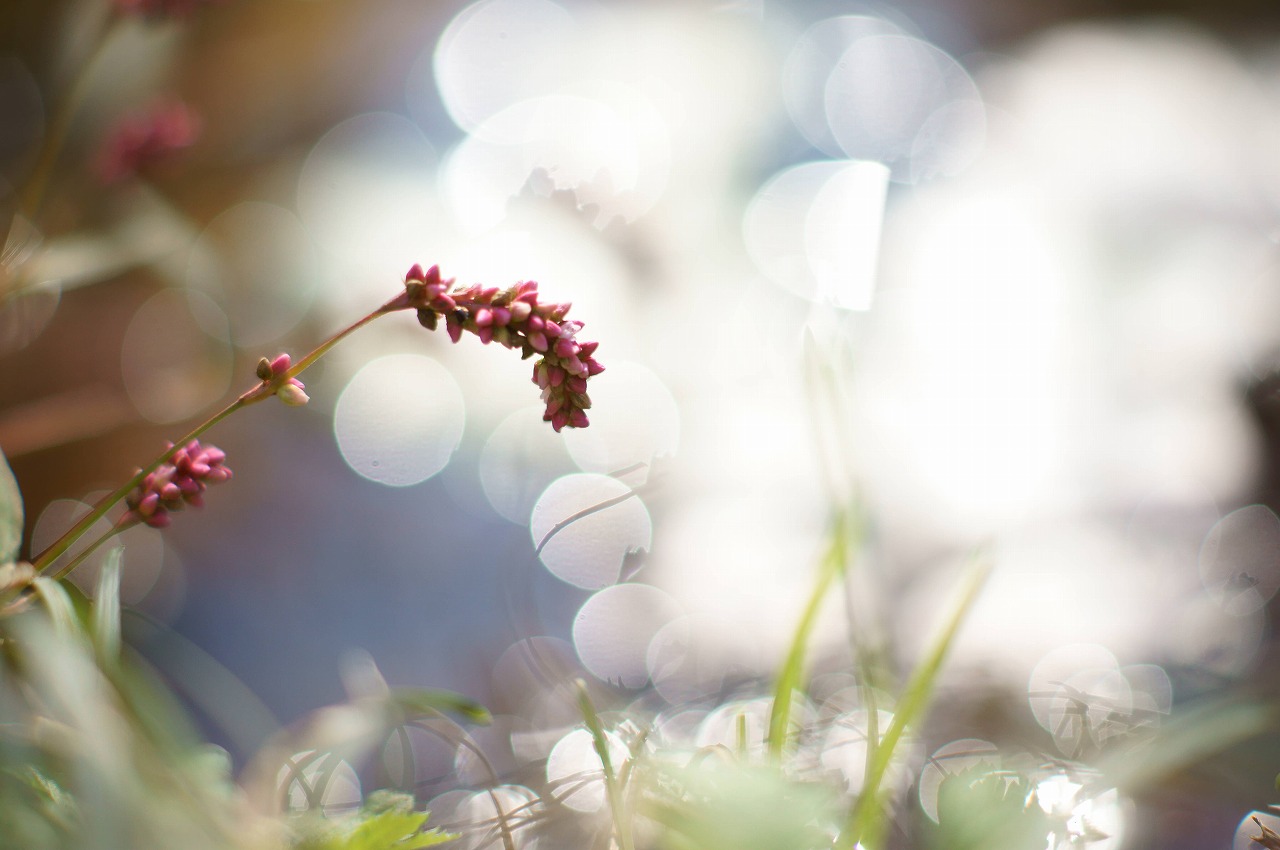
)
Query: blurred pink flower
[
  {"x": 177, "y": 482},
  {"x": 514, "y": 318},
  {"x": 142, "y": 139}
]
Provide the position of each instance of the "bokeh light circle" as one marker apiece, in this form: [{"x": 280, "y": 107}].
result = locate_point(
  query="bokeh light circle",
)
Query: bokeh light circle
[
  {"x": 521, "y": 457},
  {"x": 497, "y": 52},
  {"x": 367, "y": 189},
  {"x": 814, "y": 229},
  {"x": 949, "y": 760},
  {"x": 585, "y": 525},
  {"x": 575, "y": 771},
  {"x": 634, "y": 419},
  {"x": 257, "y": 261},
  {"x": 613, "y": 629},
  {"x": 1240, "y": 559},
  {"x": 175, "y": 356},
  {"x": 899, "y": 100},
  {"x": 809, "y": 64},
  {"x": 399, "y": 419}
]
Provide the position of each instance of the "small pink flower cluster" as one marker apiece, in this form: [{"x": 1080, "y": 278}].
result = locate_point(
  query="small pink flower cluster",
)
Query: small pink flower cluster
[
  {"x": 160, "y": 8},
  {"x": 514, "y": 318},
  {"x": 142, "y": 139},
  {"x": 178, "y": 482},
  {"x": 289, "y": 390}
]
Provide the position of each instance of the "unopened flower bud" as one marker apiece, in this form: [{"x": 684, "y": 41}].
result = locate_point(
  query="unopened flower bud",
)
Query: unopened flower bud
[{"x": 293, "y": 395}]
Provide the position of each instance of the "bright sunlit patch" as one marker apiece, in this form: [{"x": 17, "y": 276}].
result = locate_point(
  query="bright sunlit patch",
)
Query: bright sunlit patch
[
  {"x": 585, "y": 525},
  {"x": 175, "y": 356},
  {"x": 634, "y": 420},
  {"x": 814, "y": 229},
  {"x": 901, "y": 101},
  {"x": 521, "y": 457},
  {"x": 575, "y": 772},
  {"x": 497, "y": 52},
  {"x": 258, "y": 262},
  {"x": 367, "y": 192},
  {"x": 1240, "y": 559},
  {"x": 604, "y": 145},
  {"x": 949, "y": 760},
  {"x": 399, "y": 419},
  {"x": 1081, "y": 815},
  {"x": 613, "y": 629}
]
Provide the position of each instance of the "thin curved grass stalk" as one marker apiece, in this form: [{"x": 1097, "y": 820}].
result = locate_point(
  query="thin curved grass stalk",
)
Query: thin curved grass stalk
[
  {"x": 617, "y": 804},
  {"x": 835, "y": 561},
  {"x": 866, "y": 812}
]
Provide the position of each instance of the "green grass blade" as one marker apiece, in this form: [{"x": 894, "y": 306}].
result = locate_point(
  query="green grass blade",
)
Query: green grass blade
[
  {"x": 616, "y": 804},
  {"x": 106, "y": 607},
  {"x": 911, "y": 707},
  {"x": 834, "y": 562}
]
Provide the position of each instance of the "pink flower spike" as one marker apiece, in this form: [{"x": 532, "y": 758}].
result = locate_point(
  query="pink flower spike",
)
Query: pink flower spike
[
  {"x": 484, "y": 317},
  {"x": 538, "y": 341},
  {"x": 578, "y": 419},
  {"x": 586, "y": 349},
  {"x": 559, "y": 419},
  {"x": 556, "y": 374},
  {"x": 141, "y": 140},
  {"x": 281, "y": 364},
  {"x": 565, "y": 347},
  {"x": 501, "y": 316},
  {"x": 415, "y": 273}
]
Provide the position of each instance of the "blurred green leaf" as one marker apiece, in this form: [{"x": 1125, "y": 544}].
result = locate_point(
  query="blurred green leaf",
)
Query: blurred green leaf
[
  {"x": 386, "y": 822},
  {"x": 718, "y": 806},
  {"x": 415, "y": 702},
  {"x": 106, "y": 607},
  {"x": 982, "y": 807},
  {"x": 1192, "y": 735},
  {"x": 10, "y": 514},
  {"x": 62, "y": 611}
]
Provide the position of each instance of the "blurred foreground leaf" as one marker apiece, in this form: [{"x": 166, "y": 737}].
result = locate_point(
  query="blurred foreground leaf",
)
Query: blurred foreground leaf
[
  {"x": 731, "y": 807},
  {"x": 387, "y": 822},
  {"x": 416, "y": 702},
  {"x": 982, "y": 807},
  {"x": 1191, "y": 736},
  {"x": 10, "y": 514}
]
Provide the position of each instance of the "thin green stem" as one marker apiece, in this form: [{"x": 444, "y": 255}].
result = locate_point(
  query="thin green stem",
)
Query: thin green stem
[
  {"x": 89, "y": 550},
  {"x": 617, "y": 804},
  {"x": 255, "y": 394},
  {"x": 71, "y": 535},
  {"x": 833, "y": 565},
  {"x": 33, "y": 193},
  {"x": 323, "y": 348},
  {"x": 915, "y": 699}
]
